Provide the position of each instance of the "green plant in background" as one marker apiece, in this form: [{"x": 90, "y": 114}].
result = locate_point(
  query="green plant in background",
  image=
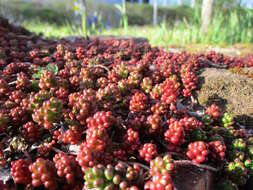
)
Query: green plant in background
[
  {"x": 84, "y": 23},
  {"x": 80, "y": 8},
  {"x": 98, "y": 27},
  {"x": 180, "y": 25},
  {"x": 123, "y": 11}
]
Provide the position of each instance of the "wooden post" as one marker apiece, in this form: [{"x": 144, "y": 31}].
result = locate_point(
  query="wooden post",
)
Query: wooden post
[
  {"x": 207, "y": 9},
  {"x": 193, "y": 3},
  {"x": 155, "y": 7}
]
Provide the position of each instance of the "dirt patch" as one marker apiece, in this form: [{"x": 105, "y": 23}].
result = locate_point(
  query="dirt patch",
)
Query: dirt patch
[{"x": 233, "y": 92}]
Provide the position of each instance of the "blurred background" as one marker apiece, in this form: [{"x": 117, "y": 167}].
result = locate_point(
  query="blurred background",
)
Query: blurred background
[{"x": 167, "y": 23}]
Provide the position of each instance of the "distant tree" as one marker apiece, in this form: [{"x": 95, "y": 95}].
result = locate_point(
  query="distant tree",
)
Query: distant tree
[
  {"x": 240, "y": 3},
  {"x": 207, "y": 10},
  {"x": 181, "y": 2},
  {"x": 155, "y": 12},
  {"x": 227, "y": 3}
]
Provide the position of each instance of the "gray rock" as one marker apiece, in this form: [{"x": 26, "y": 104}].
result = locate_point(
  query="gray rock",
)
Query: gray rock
[{"x": 192, "y": 178}]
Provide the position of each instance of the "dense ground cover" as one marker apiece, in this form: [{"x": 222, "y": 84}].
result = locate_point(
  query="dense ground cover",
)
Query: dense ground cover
[{"x": 91, "y": 114}]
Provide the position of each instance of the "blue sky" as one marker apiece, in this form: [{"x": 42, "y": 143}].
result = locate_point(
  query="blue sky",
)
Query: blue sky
[{"x": 248, "y": 3}]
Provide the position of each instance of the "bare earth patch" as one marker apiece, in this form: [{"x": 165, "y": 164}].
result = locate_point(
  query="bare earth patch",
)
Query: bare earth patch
[{"x": 233, "y": 92}]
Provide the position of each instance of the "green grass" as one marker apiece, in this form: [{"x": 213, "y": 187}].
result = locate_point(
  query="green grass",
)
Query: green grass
[
  {"x": 48, "y": 29},
  {"x": 222, "y": 32},
  {"x": 234, "y": 27},
  {"x": 179, "y": 26}
]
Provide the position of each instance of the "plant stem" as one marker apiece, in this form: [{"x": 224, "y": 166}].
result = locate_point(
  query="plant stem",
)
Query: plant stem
[{"x": 101, "y": 66}]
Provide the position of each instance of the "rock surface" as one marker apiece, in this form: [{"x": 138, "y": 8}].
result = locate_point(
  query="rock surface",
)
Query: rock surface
[
  {"x": 193, "y": 178},
  {"x": 231, "y": 91}
]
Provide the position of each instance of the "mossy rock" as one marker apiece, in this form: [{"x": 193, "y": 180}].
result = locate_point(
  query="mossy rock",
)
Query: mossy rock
[{"x": 231, "y": 91}]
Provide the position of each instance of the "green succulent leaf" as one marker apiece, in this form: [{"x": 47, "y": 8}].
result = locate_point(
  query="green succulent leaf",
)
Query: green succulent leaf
[{"x": 53, "y": 68}]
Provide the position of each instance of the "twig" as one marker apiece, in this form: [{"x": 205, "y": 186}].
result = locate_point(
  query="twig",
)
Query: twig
[
  {"x": 240, "y": 125},
  {"x": 56, "y": 150},
  {"x": 4, "y": 135},
  {"x": 73, "y": 153},
  {"x": 188, "y": 162},
  {"x": 123, "y": 126},
  {"x": 212, "y": 64},
  {"x": 12, "y": 83},
  {"x": 194, "y": 100},
  {"x": 69, "y": 152},
  {"x": 73, "y": 149},
  {"x": 243, "y": 127},
  {"x": 101, "y": 66},
  {"x": 139, "y": 164},
  {"x": 198, "y": 113}
]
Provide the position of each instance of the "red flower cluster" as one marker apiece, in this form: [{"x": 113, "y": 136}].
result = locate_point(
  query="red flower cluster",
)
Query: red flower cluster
[
  {"x": 197, "y": 152},
  {"x": 213, "y": 111},
  {"x": 148, "y": 151},
  {"x": 20, "y": 171},
  {"x": 138, "y": 102},
  {"x": 175, "y": 134},
  {"x": 217, "y": 149},
  {"x": 67, "y": 167},
  {"x": 43, "y": 173}
]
